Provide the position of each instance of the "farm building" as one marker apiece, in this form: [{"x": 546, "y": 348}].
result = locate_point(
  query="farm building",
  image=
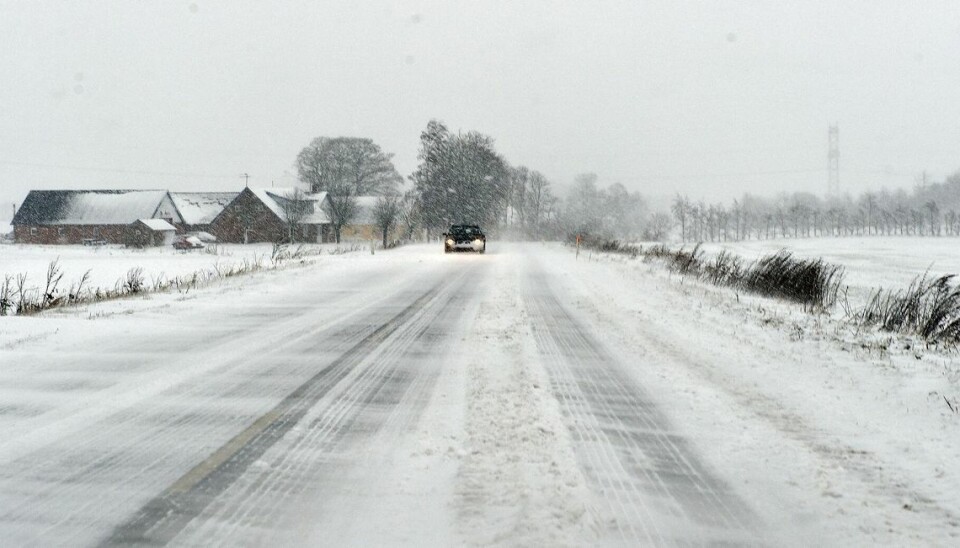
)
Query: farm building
[
  {"x": 253, "y": 215},
  {"x": 194, "y": 211},
  {"x": 86, "y": 216},
  {"x": 150, "y": 233},
  {"x": 273, "y": 215}
]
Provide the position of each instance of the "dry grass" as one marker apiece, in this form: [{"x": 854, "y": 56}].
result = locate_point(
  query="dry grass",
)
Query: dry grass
[
  {"x": 813, "y": 283},
  {"x": 18, "y": 297},
  {"x": 929, "y": 307}
]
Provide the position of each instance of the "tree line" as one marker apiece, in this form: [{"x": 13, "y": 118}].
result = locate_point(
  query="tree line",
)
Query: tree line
[
  {"x": 460, "y": 179},
  {"x": 929, "y": 210}
]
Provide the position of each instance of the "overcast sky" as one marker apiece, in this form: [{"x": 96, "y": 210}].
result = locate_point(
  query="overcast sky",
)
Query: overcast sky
[{"x": 708, "y": 98}]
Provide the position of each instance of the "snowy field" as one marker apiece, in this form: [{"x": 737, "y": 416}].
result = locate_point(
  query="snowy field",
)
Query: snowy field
[
  {"x": 109, "y": 264},
  {"x": 869, "y": 263}
]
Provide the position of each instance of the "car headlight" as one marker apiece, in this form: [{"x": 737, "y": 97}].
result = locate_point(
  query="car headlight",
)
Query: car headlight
[{"x": 450, "y": 242}]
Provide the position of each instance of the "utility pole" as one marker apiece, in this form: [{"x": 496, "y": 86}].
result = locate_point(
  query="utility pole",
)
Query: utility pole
[
  {"x": 833, "y": 161},
  {"x": 246, "y": 179}
]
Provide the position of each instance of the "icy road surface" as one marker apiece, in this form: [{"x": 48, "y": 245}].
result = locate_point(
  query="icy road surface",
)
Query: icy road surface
[{"x": 411, "y": 398}]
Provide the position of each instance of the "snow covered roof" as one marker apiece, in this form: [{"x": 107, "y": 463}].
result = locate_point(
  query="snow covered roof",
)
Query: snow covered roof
[
  {"x": 276, "y": 199},
  {"x": 158, "y": 225},
  {"x": 88, "y": 207},
  {"x": 200, "y": 208}
]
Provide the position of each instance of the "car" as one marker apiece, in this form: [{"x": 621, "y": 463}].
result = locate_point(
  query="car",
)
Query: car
[
  {"x": 187, "y": 242},
  {"x": 464, "y": 238}
]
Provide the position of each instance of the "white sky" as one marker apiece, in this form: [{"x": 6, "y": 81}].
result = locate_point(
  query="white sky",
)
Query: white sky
[{"x": 709, "y": 98}]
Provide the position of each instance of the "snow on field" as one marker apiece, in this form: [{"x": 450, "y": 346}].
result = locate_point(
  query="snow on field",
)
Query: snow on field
[
  {"x": 109, "y": 264},
  {"x": 869, "y": 262}
]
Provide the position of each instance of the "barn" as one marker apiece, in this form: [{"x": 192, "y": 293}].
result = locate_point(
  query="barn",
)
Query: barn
[
  {"x": 87, "y": 216},
  {"x": 273, "y": 215}
]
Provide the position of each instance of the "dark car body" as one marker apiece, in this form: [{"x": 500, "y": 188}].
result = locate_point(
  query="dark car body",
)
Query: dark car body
[{"x": 464, "y": 238}]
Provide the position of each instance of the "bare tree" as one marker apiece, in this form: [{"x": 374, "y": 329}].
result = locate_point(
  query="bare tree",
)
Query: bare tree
[
  {"x": 868, "y": 203},
  {"x": 681, "y": 208},
  {"x": 386, "y": 213},
  {"x": 342, "y": 207},
  {"x": 295, "y": 207},
  {"x": 537, "y": 197},
  {"x": 583, "y": 212},
  {"x": 344, "y": 168},
  {"x": 331, "y": 164},
  {"x": 658, "y": 227},
  {"x": 519, "y": 179},
  {"x": 934, "y": 211},
  {"x": 622, "y": 213},
  {"x": 411, "y": 216}
]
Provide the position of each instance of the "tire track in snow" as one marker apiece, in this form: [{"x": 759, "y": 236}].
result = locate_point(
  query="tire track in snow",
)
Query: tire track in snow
[
  {"x": 102, "y": 467},
  {"x": 162, "y": 518},
  {"x": 379, "y": 403},
  {"x": 518, "y": 482},
  {"x": 653, "y": 489}
]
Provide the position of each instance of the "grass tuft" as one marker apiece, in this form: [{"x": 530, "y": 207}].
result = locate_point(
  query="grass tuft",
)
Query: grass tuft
[
  {"x": 929, "y": 307},
  {"x": 811, "y": 282}
]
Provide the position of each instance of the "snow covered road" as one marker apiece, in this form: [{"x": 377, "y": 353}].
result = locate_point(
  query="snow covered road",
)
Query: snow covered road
[
  {"x": 651, "y": 482},
  {"x": 412, "y": 398}
]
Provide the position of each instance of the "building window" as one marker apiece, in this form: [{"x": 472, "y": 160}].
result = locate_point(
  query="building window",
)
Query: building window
[
  {"x": 60, "y": 231},
  {"x": 33, "y": 231}
]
